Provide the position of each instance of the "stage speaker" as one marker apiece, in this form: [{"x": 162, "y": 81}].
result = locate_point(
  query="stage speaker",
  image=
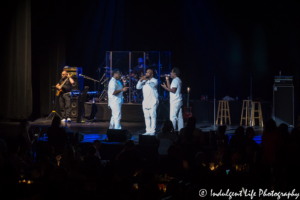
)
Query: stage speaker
[
  {"x": 283, "y": 105},
  {"x": 81, "y": 100},
  {"x": 78, "y": 83},
  {"x": 74, "y": 107},
  {"x": 148, "y": 139},
  {"x": 118, "y": 135}
]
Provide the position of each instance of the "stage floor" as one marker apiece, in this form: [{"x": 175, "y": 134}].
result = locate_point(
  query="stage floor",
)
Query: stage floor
[{"x": 97, "y": 130}]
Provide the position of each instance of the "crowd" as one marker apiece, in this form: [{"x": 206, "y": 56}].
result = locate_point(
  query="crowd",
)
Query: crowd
[{"x": 187, "y": 162}]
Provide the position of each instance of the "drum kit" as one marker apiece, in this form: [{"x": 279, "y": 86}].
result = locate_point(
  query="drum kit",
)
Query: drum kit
[{"x": 136, "y": 95}]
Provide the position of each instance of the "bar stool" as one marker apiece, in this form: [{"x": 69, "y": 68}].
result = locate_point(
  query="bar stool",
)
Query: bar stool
[
  {"x": 222, "y": 108},
  {"x": 246, "y": 107},
  {"x": 258, "y": 110}
]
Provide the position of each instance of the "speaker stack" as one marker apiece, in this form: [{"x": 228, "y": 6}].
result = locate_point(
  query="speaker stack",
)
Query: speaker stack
[
  {"x": 78, "y": 80},
  {"x": 74, "y": 108},
  {"x": 283, "y": 100}
]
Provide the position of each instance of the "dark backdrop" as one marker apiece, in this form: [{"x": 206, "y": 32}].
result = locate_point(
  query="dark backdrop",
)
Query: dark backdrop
[{"x": 232, "y": 41}]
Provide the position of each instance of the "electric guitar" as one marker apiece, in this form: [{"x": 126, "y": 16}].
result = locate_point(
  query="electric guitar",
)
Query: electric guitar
[
  {"x": 61, "y": 85},
  {"x": 187, "y": 111}
]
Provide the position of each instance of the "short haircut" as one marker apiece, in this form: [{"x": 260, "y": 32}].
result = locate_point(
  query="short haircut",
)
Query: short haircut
[
  {"x": 92, "y": 150},
  {"x": 97, "y": 141},
  {"x": 176, "y": 71},
  {"x": 150, "y": 69},
  {"x": 115, "y": 71}
]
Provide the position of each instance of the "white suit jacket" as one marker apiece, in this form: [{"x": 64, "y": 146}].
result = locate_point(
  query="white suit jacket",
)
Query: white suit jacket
[{"x": 149, "y": 92}]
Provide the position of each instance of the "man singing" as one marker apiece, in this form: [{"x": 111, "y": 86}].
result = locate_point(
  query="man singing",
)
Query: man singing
[
  {"x": 175, "y": 98},
  {"x": 150, "y": 102},
  {"x": 115, "y": 99},
  {"x": 65, "y": 95}
]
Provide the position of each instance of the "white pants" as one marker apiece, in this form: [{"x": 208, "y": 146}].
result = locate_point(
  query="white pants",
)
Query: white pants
[
  {"x": 150, "y": 119},
  {"x": 176, "y": 114},
  {"x": 115, "y": 116}
]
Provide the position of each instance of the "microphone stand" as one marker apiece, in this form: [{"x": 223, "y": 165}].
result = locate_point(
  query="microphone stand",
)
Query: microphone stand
[
  {"x": 99, "y": 69},
  {"x": 89, "y": 78}
]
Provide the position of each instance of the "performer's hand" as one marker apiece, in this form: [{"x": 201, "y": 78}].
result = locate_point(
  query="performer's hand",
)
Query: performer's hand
[
  {"x": 57, "y": 86},
  {"x": 164, "y": 86},
  {"x": 69, "y": 75},
  {"x": 167, "y": 78},
  {"x": 124, "y": 89}
]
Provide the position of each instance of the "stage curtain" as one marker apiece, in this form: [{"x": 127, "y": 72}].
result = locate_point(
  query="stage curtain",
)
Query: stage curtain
[
  {"x": 15, "y": 74},
  {"x": 73, "y": 33},
  {"x": 49, "y": 24}
]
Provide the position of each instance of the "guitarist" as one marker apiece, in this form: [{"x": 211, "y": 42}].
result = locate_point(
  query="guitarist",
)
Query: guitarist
[
  {"x": 175, "y": 98},
  {"x": 65, "y": 95}
]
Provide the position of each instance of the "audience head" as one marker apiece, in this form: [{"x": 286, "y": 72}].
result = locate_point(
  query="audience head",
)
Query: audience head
[
  {"x": 283, "y": 127},
  {"x": 70, "y": 152},
  {"x": 167, "y": 127},
  {"x": 129, "y": 145},
  {"x": 240, "y": 131},
  {"x": 284, "y": 131},
  {"x": 97, "y": 144},
  {"x": 222, "y": 130},
  {"x": 250, "y": 133},
  {"x": 191, "y": 122},
  {"x": 189, "y": 129},
  {"x": 270, "y": 126},
  {"x": 295, "y": 134},
  {"x": 56, "y": 122},
  {"x": 92, "y": 150}
]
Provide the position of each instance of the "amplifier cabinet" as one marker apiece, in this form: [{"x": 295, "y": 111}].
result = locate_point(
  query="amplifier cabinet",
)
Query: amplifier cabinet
[{"x": 74, "y": 107}]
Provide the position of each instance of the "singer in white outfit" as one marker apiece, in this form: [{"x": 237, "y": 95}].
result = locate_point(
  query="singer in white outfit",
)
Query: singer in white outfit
[
  {"x": 175, "y": 98},
  {"x": 150, "y": 102},
  {"x": 115, "y": 99}
]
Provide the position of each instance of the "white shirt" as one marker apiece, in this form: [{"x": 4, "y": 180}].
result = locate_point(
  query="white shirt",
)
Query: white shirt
[
  {"x": 149, "y": 92},
  {"x": 114, "y": 85},
  {"x": 176, "y": 97}
]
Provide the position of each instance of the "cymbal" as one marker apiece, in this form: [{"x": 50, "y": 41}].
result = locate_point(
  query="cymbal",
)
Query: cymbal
[{"x": 106, "y": 67}]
